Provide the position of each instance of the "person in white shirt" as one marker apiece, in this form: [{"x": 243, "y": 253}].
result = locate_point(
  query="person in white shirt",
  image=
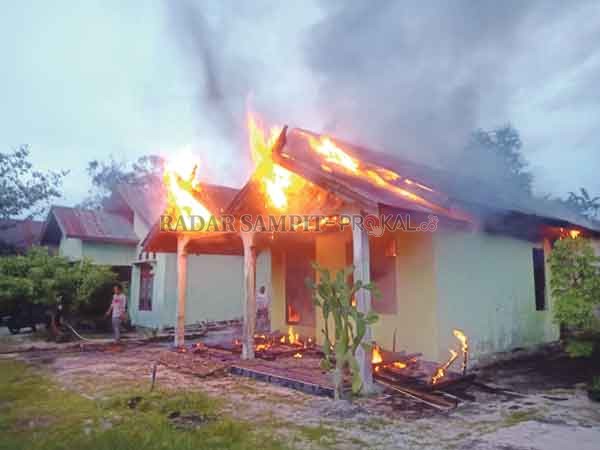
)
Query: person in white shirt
[
  {"x": 262, "y": 310},
  {"x": 117, "y": 307}
]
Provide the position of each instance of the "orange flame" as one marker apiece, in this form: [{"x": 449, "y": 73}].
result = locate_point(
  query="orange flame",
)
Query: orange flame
[
  {"x": 379, "y": 176},
  {"x": 441, "y": 371},
  {"x": 574, "y": 234},
  {"x": 333, "y": 154},
  {"x": 297, "y": 355},
  {"x": 293, "y": 315},
  {"x": 181, "y": 183},
  {"x": 276, "y": 181},
  {"x": 261, "y": 347},
  {"x": 376, "y": 357},
  {"x": 399, "y": 365},
  {"x": 293, "y": 338}
]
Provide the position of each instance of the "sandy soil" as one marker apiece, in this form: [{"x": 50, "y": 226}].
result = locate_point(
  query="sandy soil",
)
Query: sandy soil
[{"x": 551, "y": 412}]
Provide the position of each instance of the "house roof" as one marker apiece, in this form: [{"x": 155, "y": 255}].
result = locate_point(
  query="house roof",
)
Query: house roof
[
  {"x": 21, "y": 234},
  {"x": 394, "y": 183},
  {"x": 146, "y": 200},
  {"x": 454, "y": 193},
  {"x": 150, "y": 200},
  {"x": 91, "y": 225},
  {"x": 216, "y": 198}
]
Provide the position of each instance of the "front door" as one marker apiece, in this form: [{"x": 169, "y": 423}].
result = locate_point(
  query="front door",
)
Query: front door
[{"x": 299, "y": 307}]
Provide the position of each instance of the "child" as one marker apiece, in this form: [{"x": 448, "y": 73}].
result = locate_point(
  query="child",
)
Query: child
[{"x": 117, "y": 306}]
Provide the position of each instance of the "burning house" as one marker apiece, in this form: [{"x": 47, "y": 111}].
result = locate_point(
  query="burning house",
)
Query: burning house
[{"x": 471, "y": 264}]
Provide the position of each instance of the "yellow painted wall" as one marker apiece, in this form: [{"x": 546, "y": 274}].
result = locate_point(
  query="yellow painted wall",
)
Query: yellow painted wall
[
  {"x": 415, "y": 318},
  {"x": 330, "y": 251}
]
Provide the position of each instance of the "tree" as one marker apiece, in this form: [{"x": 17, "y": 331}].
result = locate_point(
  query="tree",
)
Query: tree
[
  {"x": 496, "y": 156},
  {"x": 38, "y": 277},
  {"x": 584, "y": 204},
  {"x": 106, "y": 175},
  {"x": 575, "y": 285},
  {"x": 334, "y": 297},
  {"x": 24, "y": 190}
]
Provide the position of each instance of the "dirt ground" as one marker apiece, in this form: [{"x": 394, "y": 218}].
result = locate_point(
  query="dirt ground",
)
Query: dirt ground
[{"x": 551, "y": 410}]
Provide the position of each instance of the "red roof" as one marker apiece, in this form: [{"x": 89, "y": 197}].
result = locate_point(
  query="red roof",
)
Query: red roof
[{"x": 92, "y": 225}]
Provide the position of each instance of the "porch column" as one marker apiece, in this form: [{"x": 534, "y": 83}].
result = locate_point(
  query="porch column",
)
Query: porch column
[
  {"x": 249, "y": 295},
  {"x": 362, "y": 272},
  {"x": 182, "y": 242}
]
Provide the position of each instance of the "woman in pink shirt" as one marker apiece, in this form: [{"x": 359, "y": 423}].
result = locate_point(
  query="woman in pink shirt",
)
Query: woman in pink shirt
[{"x": 117, "y": 307}]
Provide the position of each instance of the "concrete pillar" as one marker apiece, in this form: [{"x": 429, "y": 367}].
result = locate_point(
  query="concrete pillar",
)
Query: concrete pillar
[
  {"x": 362, "y": 272},
  {"x": 181, "y": 290},
  {"x": 249, "y": 296}
]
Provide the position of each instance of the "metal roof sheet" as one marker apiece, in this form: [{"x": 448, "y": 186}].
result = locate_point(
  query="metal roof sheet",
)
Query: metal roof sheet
[{"x": 94, "y": 225}]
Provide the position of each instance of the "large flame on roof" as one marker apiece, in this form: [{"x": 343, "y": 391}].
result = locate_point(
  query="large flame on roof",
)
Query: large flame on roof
[
  {"x": 333, "y": 154},
  {"x": 276, "y": 181},
  {"x": 180, "y": 179}
]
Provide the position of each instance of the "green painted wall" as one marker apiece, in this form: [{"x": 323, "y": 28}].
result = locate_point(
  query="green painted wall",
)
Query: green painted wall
[
  {"x": 109, "y": 254},
  {"x": 485, "y": 287},
  {"x": 70, "y": 248}
]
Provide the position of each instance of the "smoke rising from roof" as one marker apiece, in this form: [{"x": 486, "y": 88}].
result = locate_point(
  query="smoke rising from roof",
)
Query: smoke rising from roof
[{"x": 411, "y": 78}]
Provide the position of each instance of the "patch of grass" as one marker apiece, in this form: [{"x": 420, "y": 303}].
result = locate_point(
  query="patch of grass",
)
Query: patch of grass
[
  {"x": 320, "y": 434},
  {"x": 38, "y": 414},
  {"x": 517, "y": 417}
]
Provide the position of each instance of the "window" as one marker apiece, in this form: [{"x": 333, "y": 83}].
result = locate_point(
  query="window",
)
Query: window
[
  {"x": 383, "y": 273},
  {"x": 539, "y": 278},
  {"x": 382, "y": 259},
  {"x": 146, "y": 285}
]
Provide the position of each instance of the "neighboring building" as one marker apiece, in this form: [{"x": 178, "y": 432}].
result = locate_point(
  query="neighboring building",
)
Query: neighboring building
[
  {"x": 18, "y": 236},
  {"x": 214, "y": 290},
  {"x": 483, "y": 270},
  {"x": 104, "y": 237}
]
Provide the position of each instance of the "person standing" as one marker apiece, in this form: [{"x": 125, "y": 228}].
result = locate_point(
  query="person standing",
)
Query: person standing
[
  {"x": 117, "y": 307},
  {"x": 263, "y": 302}
]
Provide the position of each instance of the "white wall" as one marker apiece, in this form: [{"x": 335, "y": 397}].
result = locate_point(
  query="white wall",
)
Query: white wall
[
  {"x": 70, "y": 248},
  {"x": 485, "y": 287},
  {"x": 214, "y": 288},
  {"x": 109, "y": 254}
]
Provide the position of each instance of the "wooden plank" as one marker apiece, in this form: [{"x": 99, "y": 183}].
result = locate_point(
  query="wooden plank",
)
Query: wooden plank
[{"x": 434, "y": 401}]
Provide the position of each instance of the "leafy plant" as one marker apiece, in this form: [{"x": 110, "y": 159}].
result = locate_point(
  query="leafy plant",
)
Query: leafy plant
[
  {"x": 24, "y": 189},
  {"x": 575, "y": 285},
  {"x": 39, "y": 277},
  {"x": 334, "y": 296}
]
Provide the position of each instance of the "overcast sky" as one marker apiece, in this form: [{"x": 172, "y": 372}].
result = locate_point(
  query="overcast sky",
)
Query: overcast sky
[{"x": 85, "y": 80}]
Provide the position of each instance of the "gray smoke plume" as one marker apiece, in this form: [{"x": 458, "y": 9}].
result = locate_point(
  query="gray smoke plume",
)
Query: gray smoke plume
[{"x": 407, "y": 77}]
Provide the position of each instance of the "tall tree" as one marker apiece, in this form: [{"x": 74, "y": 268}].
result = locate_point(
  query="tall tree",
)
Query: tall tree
[
  {"x": 23, "y": 189},
  {"x": 584, "y": 204},
  {"x": 105, "y": 175},
  {"x": 496, "y": 156}
]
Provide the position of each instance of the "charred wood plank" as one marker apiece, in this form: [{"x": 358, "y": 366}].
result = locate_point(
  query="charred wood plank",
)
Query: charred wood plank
[{"x": 432, "y": 400}]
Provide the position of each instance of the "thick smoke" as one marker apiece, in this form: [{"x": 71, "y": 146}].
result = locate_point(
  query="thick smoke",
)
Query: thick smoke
[
  {"x": 410, "y": 78},
  {"x": 415, "y": 77}
]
